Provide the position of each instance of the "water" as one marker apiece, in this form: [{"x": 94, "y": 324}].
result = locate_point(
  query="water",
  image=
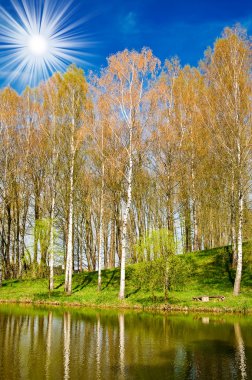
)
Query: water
[{"x": 40, "y": 343}]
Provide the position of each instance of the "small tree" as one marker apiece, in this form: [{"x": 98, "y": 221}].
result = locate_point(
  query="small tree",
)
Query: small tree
[
  {"x": 160, "y": 267},
  {"x": 168, "y": 273}
]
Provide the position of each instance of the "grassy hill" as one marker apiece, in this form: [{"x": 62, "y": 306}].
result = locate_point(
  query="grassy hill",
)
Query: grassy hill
[{"x": 210, "y": 274}]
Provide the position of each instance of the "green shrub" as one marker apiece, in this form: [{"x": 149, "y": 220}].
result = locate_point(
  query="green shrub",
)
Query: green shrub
[{"x": 163, "y": 273}]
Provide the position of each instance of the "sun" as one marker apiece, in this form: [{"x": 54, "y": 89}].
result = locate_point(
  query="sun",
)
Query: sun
[
  {"x": 38, "y": 45},
  {"x": 38, "y": 38}
]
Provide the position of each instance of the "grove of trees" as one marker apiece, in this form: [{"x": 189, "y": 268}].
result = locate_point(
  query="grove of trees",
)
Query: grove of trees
[{"x": 94, "y": 168}]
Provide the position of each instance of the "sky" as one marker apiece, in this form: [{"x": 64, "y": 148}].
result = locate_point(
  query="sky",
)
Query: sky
[{"x": 184, "y": 28}]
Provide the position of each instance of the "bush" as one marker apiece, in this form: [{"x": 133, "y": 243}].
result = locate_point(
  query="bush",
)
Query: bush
[{"x": 165, "y": 273}]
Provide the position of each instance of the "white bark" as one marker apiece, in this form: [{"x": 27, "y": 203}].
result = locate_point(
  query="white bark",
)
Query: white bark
[
  {"x": 238, "y": 275},
  {"x": 52, "y": 211},
  {"x": 51, "y": 244},
  {"x": 194, "y": 209},
  {"x": 100, "y": 240},
  {"x": 233, "y": 224},
  {"x": 69, "y": 254},
  {"x": 101, "y": 223},
  {"x": 125, "y": 219}
]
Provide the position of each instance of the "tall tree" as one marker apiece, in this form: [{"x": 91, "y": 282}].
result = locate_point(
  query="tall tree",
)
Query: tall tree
[
  {"x": 126, "y": 81},
  {"x": 228, "y": 71},
  {"x": 73, "y": 108}
]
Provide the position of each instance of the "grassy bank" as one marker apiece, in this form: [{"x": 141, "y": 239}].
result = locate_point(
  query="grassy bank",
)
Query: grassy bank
[{"x": 210, "y": 274}]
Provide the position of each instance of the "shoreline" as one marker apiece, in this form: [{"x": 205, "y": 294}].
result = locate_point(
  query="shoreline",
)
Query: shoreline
[{"x": 157, "y": 309}]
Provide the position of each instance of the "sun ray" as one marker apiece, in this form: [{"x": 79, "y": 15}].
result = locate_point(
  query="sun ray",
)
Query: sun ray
[{"x": 39, "y": 38}]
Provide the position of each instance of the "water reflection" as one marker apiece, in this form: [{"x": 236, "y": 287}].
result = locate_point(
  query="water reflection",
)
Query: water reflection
[
  {"x": 41, "y": 344},
  {"x": 48, "y": 344},
  {"x": 241, "y": 357},
  {"x": 98, "y": 347},
  {"x": 67, "y": 332},
  {"x": 121, "y": 345}
]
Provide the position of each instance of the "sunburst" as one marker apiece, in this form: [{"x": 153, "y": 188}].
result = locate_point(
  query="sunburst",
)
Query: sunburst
[{"x": 38, "y": 38}]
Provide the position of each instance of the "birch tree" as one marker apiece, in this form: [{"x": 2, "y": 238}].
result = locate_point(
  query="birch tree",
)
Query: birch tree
[
  {"x": 73, "y": 108},
  {"x": 126, "y": 81},
  {"x": 54, "y": 134},
  {"x": 228, "y": 71}
]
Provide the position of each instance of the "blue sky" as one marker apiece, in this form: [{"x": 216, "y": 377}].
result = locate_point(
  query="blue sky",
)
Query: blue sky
[{"x": 172, "y": 27}]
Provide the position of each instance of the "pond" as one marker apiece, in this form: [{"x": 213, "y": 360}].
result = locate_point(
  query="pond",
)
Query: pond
[{"x": 53, "y": 343}]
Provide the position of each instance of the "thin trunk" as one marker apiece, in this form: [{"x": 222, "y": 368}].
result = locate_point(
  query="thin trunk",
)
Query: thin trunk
[
  {"x": 78, "y": 248},
  {"x": 17, "y": 237},
  {"x": 105, "y": 248},
  {"x": 238, "y": 274},
  {"x": 195, "y": 246},
  {"x": 101, "y": 232},
  {"x": 111, "y": 263},
  {"x": 188, "y": 237},
  {"x": 9, "y": 222},
  {"x": 81, "y": 246},
  {"x": 2, "y": 253},
  {"x": 51, "y": 244},
  {"x": 88, "y": 243},
  {"x": 125, "y": 218},
  {"x": 233, "y": 225},
  {"x": 170, "y": 219},
  {"x": 118, "y": 240},
  {"x": 101, "y": 242},
  {"x": 22, "y": 243},
  {"x": 36, "y": 229},
  {"x": 69, "y": 253},
  {"x": 3, "y": 245}
]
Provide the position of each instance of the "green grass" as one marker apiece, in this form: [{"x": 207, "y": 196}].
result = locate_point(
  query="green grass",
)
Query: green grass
[{"x": 211, "y": 274}]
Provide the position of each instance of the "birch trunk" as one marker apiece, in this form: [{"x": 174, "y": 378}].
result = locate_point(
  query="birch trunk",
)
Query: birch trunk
[
  {"x": 101, "y": 219},
  {"x": 238, "y": 274},
  {"x": 36, "y": 228},
  {"x": 69, "y": 253},
  {"x": 233, "y": 225},
  {"x": 51, "y": 244},
  {"x": 194, "y": 210},
  {"x": 101, "y": 232},
  {"x": 125, "y": 219}
]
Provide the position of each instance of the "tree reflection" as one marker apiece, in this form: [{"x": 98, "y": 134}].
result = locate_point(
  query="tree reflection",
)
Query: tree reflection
[
  {"x": 122, "y": 345},
  {"x": 48, "y": 344},
  {"x": 67, "y": 332},
  {"x": 98, "y": 347},
  {"x": 240, "y": 351}
]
